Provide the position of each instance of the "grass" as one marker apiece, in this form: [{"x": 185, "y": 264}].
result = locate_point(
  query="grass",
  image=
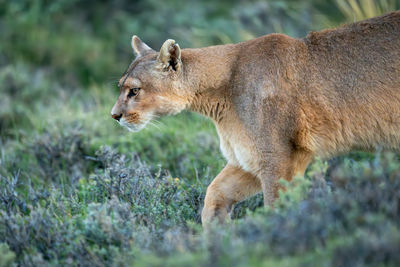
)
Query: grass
[{"x": 115, "y": 209}]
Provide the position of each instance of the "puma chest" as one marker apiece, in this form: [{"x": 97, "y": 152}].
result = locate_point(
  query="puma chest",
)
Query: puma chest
[{"x": 239, "y": 150}]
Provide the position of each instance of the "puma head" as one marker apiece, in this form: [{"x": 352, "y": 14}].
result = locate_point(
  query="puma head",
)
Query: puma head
[{"x": 151, "y": 86}]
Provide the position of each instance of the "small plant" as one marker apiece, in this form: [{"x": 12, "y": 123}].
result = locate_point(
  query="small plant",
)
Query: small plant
[{"x": 61, "y": 154}]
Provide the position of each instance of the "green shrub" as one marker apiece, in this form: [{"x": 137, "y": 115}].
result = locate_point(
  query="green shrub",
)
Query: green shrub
[{"x": 127, "y": 212}]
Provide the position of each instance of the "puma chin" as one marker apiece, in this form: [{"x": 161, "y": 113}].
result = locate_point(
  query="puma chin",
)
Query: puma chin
[
  {"x": 132, "y": 127},
  {"x": 135, "y": 123}
]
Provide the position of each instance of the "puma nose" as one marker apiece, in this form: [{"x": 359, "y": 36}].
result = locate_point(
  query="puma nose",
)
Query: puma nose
[{"x": 116, "y": 117}]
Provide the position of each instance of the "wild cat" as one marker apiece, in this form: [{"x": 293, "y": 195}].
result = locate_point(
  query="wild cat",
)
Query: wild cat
[{"x": 276, "y": 101}]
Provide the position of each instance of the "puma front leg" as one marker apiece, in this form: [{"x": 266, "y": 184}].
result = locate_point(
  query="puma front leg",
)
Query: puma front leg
[
  {"x": 231, "y": 185},
  {"x": 284, "y": 166}
]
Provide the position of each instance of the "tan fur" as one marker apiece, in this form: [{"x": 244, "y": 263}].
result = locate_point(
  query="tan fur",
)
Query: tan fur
[{"x": 277, "y": 102}]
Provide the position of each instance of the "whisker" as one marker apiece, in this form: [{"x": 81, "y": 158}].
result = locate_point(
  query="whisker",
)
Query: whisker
[
  {"x": 153, "y": 124},
  {"x": 159, "y": 122}
]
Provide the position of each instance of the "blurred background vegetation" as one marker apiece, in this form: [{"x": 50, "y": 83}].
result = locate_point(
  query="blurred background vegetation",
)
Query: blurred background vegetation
[{"x": 60, "y": 61}]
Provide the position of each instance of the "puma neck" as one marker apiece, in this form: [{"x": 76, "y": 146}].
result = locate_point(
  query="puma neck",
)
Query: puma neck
[{"x": 207, "y": 73}]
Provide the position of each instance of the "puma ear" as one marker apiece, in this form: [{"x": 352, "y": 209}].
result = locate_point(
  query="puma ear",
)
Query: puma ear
[
  {"x": 170, "y": 55},
  {"x": 139, "y": 47}
]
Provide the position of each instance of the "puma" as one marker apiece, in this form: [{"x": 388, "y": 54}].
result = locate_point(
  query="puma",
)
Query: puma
[{"x": 276, "y": 101}]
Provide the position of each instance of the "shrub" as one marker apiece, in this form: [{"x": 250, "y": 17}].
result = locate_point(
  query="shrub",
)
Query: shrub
[
  {"x": 126, "y": 212},
  {"x": 61, "y": 154},
  {"x": 156, "y": 199}
]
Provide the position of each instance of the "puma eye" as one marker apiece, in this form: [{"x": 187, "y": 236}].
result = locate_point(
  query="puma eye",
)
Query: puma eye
[{"x": 133, "y": 92}]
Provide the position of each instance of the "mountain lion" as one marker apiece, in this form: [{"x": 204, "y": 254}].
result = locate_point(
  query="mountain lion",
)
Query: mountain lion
[{"x": 276, "y": 101}]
